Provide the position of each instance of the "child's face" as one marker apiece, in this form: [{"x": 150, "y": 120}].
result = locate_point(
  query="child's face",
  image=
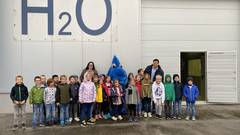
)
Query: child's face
[
  {"x": 101, "y": 81},
  {"x": 158, "y": 79},
  {"x": 168, "y": 79},
  {"x": 190, "y": 82},
  {"x": 176, "y": 79},
  {"x": 56, "y": 79},
  {"x": 89, "y": 77},
  {"x": 19, "y": 80},
  {"x": 43, "y": 79},
  {"x": 116, "y": 84},
  {"x": 95, "y": 79},
  {"x": 146, "y": 77},
  {"x": 38, "y": 82},
  {"x": 72, "y": 80},
  {"x": 63, "y": 80},
  {"x": 141, "y": 72},
  {"x": 51, "y": 84},
  {"x": 138, "y": 78},
  {"x": 108, "y": 79}
]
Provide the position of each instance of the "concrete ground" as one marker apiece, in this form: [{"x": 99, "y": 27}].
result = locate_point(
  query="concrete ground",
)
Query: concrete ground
[{"x": 211, "y": 120}]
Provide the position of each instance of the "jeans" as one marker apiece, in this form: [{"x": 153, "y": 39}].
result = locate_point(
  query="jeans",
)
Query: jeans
[
  {"x": 191, "y": 106},
  {"x": 177, "y": 108},
  {"x": 85, "y": 113},
  {"x": 64, "y": 112},
  {"x": 19, "y": 114},
  {"x": 139, "y": 107},
  {"x": 147, "y": 104},
  {"x": 38, "y": 114},
  {"x": 50, "y": 112}
]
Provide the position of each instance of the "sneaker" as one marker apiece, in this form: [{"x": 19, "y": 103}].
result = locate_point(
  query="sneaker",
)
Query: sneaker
[
  {"x": 150, "y": 115},
  {"x": 76, "y": 119},
  {"x": 23, "y": 126},
  {"x": 120, "y": 117},
  {"x": 83, "y": 124},
  {"x": 145, "y": 115},
  {"x": 70, "y": 120},
  {"x": 135, "y": 119},
  {"x": 160, "y": 117},
  {"x": 96, "y": 117},
  {"x": 99, "y": 116},
  {"x": 179, "y": 118},
  {"x": 109, "y": 116},
  {"x": 91, "y": 122},
  {"x": 105, "y": 117},
  {"x": 41, "y": 125},
  {"x": 130, "y": 119},
  {"x": 193, "y": 118},
  {"x": 15, "y": 127},
  {"x": 187, "y": 118},
  {"x": 62, "y": 123},
  {"x": 156, "y": 116},
  {"x": 114, "y": 118},
  {"x": 174, "y": 117}
]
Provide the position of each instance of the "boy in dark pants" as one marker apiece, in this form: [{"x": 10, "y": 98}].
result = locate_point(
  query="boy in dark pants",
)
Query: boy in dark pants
[{"x": 177, "y": 105}]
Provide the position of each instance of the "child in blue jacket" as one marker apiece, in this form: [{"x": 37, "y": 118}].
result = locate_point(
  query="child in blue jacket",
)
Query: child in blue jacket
[{"x": 191, "y": 94}]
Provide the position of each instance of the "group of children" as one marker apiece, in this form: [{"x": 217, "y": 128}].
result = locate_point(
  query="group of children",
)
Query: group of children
[{"x": 97, "y": 97}]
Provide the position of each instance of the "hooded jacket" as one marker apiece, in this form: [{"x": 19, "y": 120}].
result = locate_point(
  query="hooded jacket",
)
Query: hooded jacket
[
  {"x": 36, "y": 95},
  {"x": 158, "y": 92},
  {"x": 63, "y": 94},
  {"x": 87, "y": 92},
  {"x": 74, "y": 92},
  {"x": 19, "y": 93},
  {"x": 178, "y": 89},
  {"x": 169, "y": 89},
  {"x": 191, "y": 93}
]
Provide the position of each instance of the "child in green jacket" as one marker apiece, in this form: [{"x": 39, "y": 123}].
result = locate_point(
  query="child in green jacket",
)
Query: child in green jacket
[
  {"x": 169, "y": 96},
  {"x": 36, "y": 99}
]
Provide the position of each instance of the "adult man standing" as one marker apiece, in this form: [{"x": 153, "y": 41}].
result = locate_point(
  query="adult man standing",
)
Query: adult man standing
[{"x": 154, "y": 69}]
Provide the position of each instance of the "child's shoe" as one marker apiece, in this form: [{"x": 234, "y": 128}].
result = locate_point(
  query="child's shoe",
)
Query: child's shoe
[
  {"x": 130, "y": 119},
  {"x": 91, "y": 121},
  {"x": 83, "y": 124},
  {"x": 105, "y": 116},
  {"x": 62, "y": 123},
  {"x": 157, "y": 116},
  {"x": 174, "y": 117},
  {"x": 96, "y": 117},
  {"x": 145, "y": 115},
  {"x": 99, "y": 116},
  {"x": 114, "y": 118},
  {"x": 150, "y": 115},
  {"x": 135, "y": 119},
  {"x": 76, "y": 119},
  {"x": 15, "y": 127},
  {"x": 70, "y": 120},
  {"x": 160, "y": 117},
  {"x": 193, "y": 118},
  {"x": 187, "y": 118},
  {"x": 120, "y": 117},
  {"x": 179, "y": 117},
  {"x": 41, "y": 125},
  {"x": 109, "y": 116}
]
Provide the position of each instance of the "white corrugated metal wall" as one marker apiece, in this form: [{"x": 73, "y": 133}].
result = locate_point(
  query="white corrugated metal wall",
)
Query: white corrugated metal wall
[{"x": 172, "y": 26}]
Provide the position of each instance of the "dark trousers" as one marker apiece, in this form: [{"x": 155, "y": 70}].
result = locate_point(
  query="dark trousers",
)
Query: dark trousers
[
  {"x": 132, "y": 110},
  {"x": 106, "y": 107},
  {"x": 146, "y": 104},
  {"x": 168, "y": 108},
  {"x": 116, "y": 110},
  {"x": 98, "y": 109}
]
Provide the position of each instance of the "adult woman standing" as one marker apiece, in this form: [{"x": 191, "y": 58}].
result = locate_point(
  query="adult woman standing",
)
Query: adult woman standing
[{"x": 90, "y": 69}]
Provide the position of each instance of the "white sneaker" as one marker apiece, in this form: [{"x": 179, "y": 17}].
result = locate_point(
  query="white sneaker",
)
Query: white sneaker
[
  {"x": 70, "y": 120},
  {"x": 187, "y": 118},
  {"x": 77, "y": 119},
  {"x": 120, "y": 117},
  {"x": 145, "y": 115},
  {"x": 193, "y": 118},
  {"x": 150, "y": 115},
  {"x": 114, "y": 118}
]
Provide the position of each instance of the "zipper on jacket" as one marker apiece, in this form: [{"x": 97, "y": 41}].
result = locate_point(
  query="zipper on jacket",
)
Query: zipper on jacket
[{"x": 20, "y": 95}]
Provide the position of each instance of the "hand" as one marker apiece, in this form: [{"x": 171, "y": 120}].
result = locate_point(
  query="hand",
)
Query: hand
[
  {"x": 23, "y": 102},
  {"x": 15, "y": 102},
  {"x": 58, "y": 104}
]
